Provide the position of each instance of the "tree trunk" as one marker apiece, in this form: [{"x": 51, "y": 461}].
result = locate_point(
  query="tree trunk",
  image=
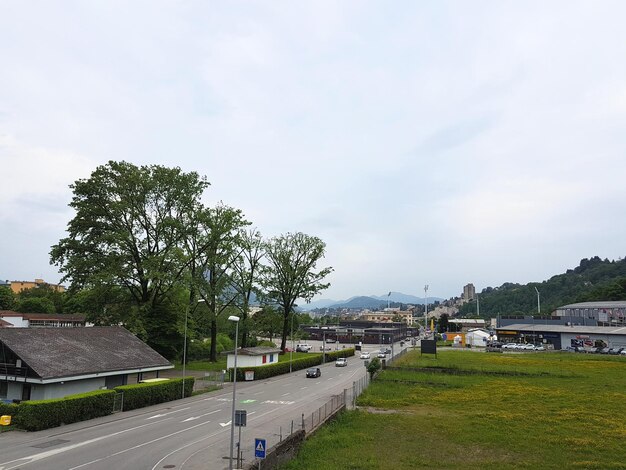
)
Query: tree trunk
[{"x": 283, "y": 342}]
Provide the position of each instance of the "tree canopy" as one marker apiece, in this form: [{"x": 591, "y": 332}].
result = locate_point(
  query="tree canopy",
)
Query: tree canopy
[{"x": 291, "y": 273}]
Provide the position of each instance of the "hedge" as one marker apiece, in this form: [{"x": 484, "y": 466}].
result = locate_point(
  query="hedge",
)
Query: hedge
[
  {"x": 36, "y": 415},
  {"x": 146, "y": 394},
  {"x": 264, "y": 372}
]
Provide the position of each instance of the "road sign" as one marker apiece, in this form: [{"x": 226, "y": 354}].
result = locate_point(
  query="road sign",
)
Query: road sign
[
  {"x": 240, "y": 417},
  {"x": 259, "y": 448}
]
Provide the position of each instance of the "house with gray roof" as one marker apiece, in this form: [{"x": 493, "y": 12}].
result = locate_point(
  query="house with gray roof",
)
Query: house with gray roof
[{"x": 42, "y": 363}]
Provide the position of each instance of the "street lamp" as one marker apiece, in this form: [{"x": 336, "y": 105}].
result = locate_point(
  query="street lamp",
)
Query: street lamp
[
  {"x": 538, "y": 302},
  {"x": 232, "y": 420},
  {"x": 426, "y": 309},
  {"x": 185, "y": 346},
  {"x": 291, "y": 352}
]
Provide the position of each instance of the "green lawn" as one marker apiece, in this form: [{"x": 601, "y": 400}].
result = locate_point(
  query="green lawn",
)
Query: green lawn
[
  {"x": 481, "y": 410},
  {"x": 221, "y": 363}
]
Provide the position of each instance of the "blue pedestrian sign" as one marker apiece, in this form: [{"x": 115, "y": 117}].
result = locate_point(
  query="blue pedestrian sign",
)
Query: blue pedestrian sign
[{"x": 259, "y": 448}]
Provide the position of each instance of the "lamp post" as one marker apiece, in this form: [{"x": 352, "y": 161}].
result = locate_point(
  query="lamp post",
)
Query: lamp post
[
  {"x": 426, "y": 309},
  {"x": 235, "y": 319},
  {"x": 538, "y": 302},
  {"x": 291, "y": 352},
  {"x": 185, "y": 346}
]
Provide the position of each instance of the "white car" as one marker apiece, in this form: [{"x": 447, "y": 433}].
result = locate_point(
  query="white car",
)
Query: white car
[
  {"x": 365, "y": 355},
  {"x": 539, "y": 347}
]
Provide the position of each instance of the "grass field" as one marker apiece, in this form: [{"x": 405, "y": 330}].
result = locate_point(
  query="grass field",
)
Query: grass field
[
  {"x": 221, "y": 363},
  {"x": 467, "y": 409}
]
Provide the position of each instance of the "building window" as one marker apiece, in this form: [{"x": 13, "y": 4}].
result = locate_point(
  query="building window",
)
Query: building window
[
  {"x": 271, "y": 358},
  {"x": 4, "y": 389}
]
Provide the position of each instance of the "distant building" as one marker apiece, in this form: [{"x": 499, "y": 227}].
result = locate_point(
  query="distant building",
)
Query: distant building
[
  {"x": 469, "y": 292},
  {"x": 388, "y": 316},
  {"x": 466, "y": 323},
  {"x": 603, "y": 313},
  {"x": 11, "y": 319},
  {"x": 18, "y": 286}
]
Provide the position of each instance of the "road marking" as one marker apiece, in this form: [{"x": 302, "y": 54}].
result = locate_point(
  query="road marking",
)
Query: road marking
[
  {"x": 258, "y": 393},
  {"x": 285, "y": 394},
  {"x": 165, "y": 414},
  {"x": 278, "y": 402},
  {"x": 225, "y": 424},
  {"x": 50, "y": 453},
  {"x": 302, "y": 388},
  {"x": 198, "y": 417},
  {"x": 140, "y": 445}
]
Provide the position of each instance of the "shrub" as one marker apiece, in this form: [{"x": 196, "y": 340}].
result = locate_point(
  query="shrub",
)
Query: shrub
[
  {"x": 146, "y": 394},
  {"x": 36, "y": 415}
]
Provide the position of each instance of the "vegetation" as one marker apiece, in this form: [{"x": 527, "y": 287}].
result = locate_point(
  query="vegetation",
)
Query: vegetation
[
  {"x": 144, "y": 252},
  {"x": 593, "y": 279},
  {"x": 291, "y": 273},
  {"x": 147, "y": 394},
  {"x": 463, "y": 409}
]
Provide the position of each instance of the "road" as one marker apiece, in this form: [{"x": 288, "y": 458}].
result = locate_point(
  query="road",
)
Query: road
[{"x": 189, "y": 434}]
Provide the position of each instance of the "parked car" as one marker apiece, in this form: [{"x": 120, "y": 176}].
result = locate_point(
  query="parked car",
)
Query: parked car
[
  {"x": 325, "y": 348},
  {"x": 365, "y": 355},
  {"x": 387, "y": 351},
  {"x": 623, "y": 352},
  {"x": 539, "y": 347},
  {"x": 303, "y": 347},
  {"x": 381, "y": 354},
  {"x": 313, "y": 372},
  {"x": 614, "y": 351},
  {"x": 330, "y": 340},
  {"x": 604, "y": 350},
  {"x": 341, "y": 362}
]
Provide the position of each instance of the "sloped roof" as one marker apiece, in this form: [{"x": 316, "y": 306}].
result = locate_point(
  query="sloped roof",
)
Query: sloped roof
[
  {"x": 65, "y": 352},
  {"x": 255, "y": 351}
]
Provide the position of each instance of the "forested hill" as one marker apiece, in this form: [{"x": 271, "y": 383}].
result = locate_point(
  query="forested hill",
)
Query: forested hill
[{"x": 593, "y": 279}]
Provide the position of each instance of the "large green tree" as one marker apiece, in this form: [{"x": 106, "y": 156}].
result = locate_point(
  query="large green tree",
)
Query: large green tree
[
  {"x": 245, "y": 276},
  {"x": 291, "y": 273},
  {"x": 7, "y": 298},
  {"x": 128, "y": 231},
  {"x": 217, "y": 246}
]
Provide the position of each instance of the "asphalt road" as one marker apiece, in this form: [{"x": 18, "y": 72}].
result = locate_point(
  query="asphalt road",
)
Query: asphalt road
[{"x": 189, "y": 434}]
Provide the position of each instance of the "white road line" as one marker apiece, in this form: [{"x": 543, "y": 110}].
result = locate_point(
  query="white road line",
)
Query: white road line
[
  {"x": 198, "y": 417},
  {"x": 165, "y": 414},
  {"x": 302, "y": 388},
  {"x": 285, "y": 394},
  {"x": 50, "y": 453},
  {"x": 141, "y": 445}
]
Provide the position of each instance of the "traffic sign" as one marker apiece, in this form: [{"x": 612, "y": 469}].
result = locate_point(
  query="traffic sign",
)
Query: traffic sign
[{"x": 259, "y": 448}]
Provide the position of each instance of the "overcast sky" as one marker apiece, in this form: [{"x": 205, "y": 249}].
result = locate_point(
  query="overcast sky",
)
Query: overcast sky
[{"x": 434, "y": 143}]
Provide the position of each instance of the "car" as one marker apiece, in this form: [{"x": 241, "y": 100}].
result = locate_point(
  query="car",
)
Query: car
[
  {"x": 325, "y": 348},
  {"x": 604, "y": 350},
  {"x": 365, "y": 355},
  {"x": 381, "y": 354},
  {"x": 623, "y": 352},
  {"x": 303, "y": 347},
  {"x": 387, "y": 351},
  {"x": 528, "y": 347},
  {"x": 330, "y": 340},
  {"x": 341, "y": 362},
  {"x": 313, "y": 372},
  {"x": 614, "y": 351},
  {"x": 539, "y": 347}
]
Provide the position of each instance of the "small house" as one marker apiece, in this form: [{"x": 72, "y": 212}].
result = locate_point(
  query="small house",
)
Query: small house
[{"x": 253, "y": 357}]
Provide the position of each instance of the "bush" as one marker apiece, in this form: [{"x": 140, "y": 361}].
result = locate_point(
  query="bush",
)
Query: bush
[
  {"x": 36, "y": 415},
  {"x": 146, "y": 394},
  {"x": 264, "y": 372},
  {"x": 10, "y": 409}
]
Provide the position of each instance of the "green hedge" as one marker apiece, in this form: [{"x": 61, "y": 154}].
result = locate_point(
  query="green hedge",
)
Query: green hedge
[
  {"x": 146, "y": 394},
  {"x": 264, "y": 372},
  {"x": 35, "y": 415},
  {"x": 9, "y": 409}
]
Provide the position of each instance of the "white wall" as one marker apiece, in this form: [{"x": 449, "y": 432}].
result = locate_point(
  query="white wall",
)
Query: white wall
[
  {"x": 59, "y": 390},
  {"x": 249, "y": 361}
]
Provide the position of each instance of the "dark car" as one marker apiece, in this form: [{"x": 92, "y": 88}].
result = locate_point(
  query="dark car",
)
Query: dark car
[{"x": 313, "y": 372}]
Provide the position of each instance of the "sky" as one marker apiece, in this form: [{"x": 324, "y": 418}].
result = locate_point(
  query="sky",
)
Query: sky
[{"x": 438, "y": 143}]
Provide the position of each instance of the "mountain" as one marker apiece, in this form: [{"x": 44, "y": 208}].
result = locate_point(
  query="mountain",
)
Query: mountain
[
  {"x": 593, "y": 280},
  {"x": 372, "y": 302}
]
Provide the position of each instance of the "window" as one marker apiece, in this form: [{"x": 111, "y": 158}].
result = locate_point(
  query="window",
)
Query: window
[
  {"x": 271, "y": 358},
  {"x": 4, "y": 389}
]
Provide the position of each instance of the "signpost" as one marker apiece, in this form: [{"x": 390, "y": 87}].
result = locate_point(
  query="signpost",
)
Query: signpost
[{"x": 260, "y": 448}]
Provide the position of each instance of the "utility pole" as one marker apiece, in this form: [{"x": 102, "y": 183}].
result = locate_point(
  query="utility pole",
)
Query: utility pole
[{"x": 426, "y": 309}]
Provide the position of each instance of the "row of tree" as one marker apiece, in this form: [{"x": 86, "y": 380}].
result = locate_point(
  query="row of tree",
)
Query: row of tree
[{"x": 142, "y": 250}]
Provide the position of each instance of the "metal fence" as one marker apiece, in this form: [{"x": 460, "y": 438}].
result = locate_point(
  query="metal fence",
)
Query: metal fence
[{"x": 210, "y": 379}]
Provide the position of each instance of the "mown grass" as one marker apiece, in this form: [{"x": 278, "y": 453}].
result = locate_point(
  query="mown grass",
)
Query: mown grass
[
  {"x": 221, "y": 362},
  {"x": 493, "y": 411}
]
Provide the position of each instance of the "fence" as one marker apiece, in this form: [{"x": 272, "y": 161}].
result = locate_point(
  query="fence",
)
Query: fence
[
  {"x": 289, "y": 438},
  {"x": 210, "y": 379}
]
